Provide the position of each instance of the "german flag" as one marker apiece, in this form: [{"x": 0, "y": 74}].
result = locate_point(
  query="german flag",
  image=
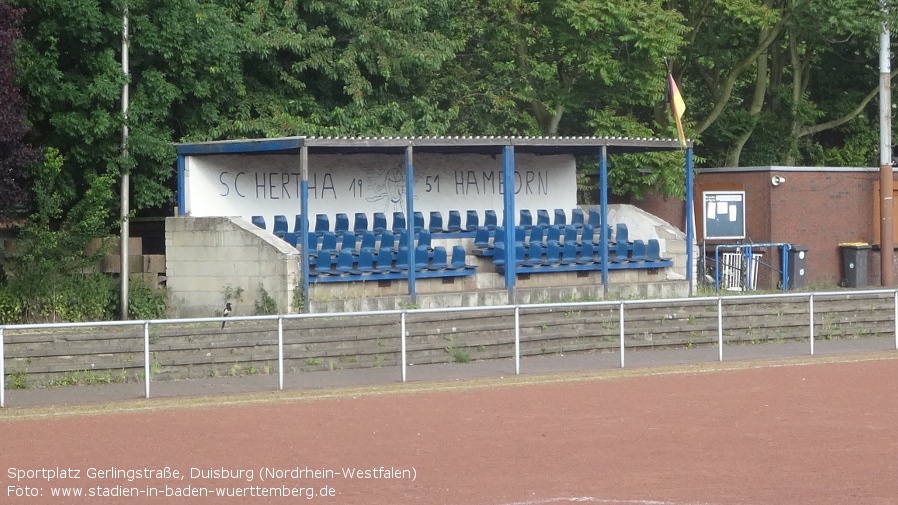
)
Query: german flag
[{"x": 677, "y": 106}]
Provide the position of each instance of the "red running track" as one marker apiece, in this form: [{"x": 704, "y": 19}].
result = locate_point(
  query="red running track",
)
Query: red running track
[{"x": 771, "y": 434}]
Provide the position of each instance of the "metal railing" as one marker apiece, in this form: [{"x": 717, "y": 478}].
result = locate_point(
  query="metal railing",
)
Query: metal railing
[{"x": 402, "y": 314}]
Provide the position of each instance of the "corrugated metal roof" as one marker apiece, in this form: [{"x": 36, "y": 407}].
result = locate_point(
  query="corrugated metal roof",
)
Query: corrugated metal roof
[{"x": 440, "y": 144}]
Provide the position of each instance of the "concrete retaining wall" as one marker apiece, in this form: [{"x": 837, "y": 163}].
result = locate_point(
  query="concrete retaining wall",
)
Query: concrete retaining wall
[{"x": 206, "y": 258}]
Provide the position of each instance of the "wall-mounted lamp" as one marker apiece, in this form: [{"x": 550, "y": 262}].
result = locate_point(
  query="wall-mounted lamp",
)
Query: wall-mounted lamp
[{"x": 776, "y": 180}]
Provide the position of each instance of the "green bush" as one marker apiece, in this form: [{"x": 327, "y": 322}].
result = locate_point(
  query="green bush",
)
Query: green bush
[{"x": 145, "y": 302}]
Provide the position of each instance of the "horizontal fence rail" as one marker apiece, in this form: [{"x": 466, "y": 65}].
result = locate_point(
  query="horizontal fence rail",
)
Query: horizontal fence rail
[{"x": 491, "y": 331}]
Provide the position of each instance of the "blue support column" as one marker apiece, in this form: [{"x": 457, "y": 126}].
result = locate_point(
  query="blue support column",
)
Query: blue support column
[
  {"x": 410, "y": 220},
  {"x": 508, "y": 200},
  {"x": 603, "y": 233},
  {"x": 690, "y": 220},
  {"x": 304, "y": 226}
]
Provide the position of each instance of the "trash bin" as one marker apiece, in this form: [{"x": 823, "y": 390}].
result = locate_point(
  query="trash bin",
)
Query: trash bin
[
  {"x": 795, "y": 271},
  {"x": 854, "y": 264}
]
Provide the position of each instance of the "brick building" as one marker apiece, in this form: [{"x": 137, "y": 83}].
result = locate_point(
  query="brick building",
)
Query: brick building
[{"x": 817, "y": 207}]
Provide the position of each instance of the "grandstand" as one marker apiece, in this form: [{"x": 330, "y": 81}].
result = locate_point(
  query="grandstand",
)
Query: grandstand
[{"x": 419, "y": 220}]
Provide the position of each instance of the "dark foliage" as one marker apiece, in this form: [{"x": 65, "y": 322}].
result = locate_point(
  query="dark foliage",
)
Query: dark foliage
[{"x": 15, "y": 155}]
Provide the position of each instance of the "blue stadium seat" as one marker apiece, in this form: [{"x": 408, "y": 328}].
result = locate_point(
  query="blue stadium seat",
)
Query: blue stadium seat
[
  {"x": 312, "y": 242},
  {"x": 291, "y": 238},
  {"x": 570, "y": 235},
  {"x": 297, "y": 224},
  {"x": 440, "y": 258},
  {"x": 384, "y": 262},
  {"x": 560, "y": 218},
  {"x": 369, "y": 240},
  {"x": 639, "y": 252},
  {"x": 498, "y": 235},
  {"x": 329, "y": 243},
  {"x": 402, "y": 239},
  {"x": 542, "y": 218},
  {"x": 258, "y": 221},
  {"x": 280, "y": 226},
  {"x": 499, "y": 254},
  {"x": 588, "y": 235},
  {"x": 425, "y": 239},
  {"x": 323, "y": 263},
  {"x": 621, "y": 234},
  {"x": 653, "y": 250},
  {"x": 436, "y": 222},
  {"x": 621, "y": 252},
  {"x": 490, "y": 220},
  {"x": 587, "y": 254},
  {"x": 536, "y": 235},
  {"x": 349, "y": 241},
  {"x": 399, "y": 222},
  {"x": 569, "y": 253},
  {"x": 322, "y": 224},
  {"x": 345, "y": 262},
  {"x": 577, "y": 218},
  {"x": 422, "y": 257},
  {"x": 520, "y": 253},
  {"x": 418, "y": 221},
  {"x": 361, "y": 223},
  {"x": 526, "y": 218},
  {"x": 472, "y": 221},
  {"x": 459, "y": 259},
  {"x": 553, "y": 254},
  {"x": 366, "y": 261},
  {"x": 388, "y": 241},
  {"x": 595, "y": 218},
  {"x": 454, "y": 223},
  {"x": 341, "y": 223},
  {"x": 553, "y": 234},
  {"x": 402, "y": 259},
  {"x": 380, "y": 222},
  {"x": 482, "y": 238},
  {"x": 534, "y": 254}
]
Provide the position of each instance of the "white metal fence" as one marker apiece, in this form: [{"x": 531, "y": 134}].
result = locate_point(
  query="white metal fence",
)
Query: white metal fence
[{"x": 402, "y": 314}]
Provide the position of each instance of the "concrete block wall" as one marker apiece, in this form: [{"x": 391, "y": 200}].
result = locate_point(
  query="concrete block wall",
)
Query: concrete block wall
[{"x": 207, "y": 257}]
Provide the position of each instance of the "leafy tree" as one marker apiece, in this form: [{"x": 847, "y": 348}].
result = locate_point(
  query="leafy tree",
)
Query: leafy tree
[
  {"x": 15, "y": 154},
  {"x": 340, "y": 67},
  {"x": 782, "y": 81}
]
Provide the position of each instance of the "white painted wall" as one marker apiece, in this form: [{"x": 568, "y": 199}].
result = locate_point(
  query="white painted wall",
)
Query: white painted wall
[{"x": 268, "y": 185}]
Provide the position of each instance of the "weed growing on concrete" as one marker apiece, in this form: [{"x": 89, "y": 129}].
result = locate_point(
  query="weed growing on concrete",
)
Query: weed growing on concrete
[
  {"x": 18, "y": 380},
  {"x": 266, "y": 305},
  {"x": 459, "y": 355}
]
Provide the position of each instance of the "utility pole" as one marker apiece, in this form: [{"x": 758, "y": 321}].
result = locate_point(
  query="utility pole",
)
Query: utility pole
[{"x": 125, "y": 182}]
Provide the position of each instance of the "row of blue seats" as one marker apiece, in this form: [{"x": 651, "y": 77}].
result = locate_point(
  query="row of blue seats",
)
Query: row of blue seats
[
  {"x": 385, "y": 264},
  {"x": 571, "y": 249},
  {"x": 331, "y": 242},
  {"x": 534, "y": 258},
  {"x": 436, "y": 223},
  {"x": 484, "y": 239}
]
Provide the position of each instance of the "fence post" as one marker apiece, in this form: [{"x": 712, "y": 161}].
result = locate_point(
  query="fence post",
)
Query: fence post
[
  {"x": 280, "y": 353},
  {"x": 402, "y": 343},
  {"x": 517, "y": 340},
  {"x": 719, "y": 329},
  {"x": 622, "y": 334},
  {"x": 811, "y": 317},
  {"x": 2, "y": 371},
  {"x": 146, "y": 359}
]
